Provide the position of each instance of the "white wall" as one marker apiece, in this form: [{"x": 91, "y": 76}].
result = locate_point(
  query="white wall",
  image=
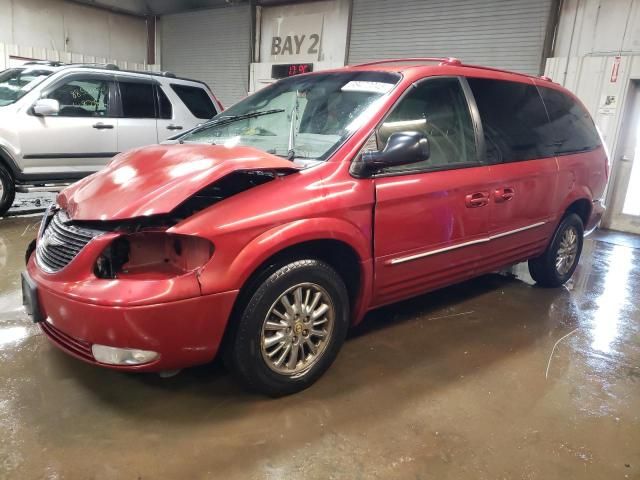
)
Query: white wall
[
  {"x": 598, "y": 27},
  {"x": 328, "y": 19},
  {"x": 594, "y": 35},
  {"x": 69, "y": 27}
]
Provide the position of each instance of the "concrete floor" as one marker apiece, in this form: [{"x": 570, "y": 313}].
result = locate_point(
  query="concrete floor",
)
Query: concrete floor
[
  {"x": 494, "y": 378},
  {"x": 27, "y": 203}
]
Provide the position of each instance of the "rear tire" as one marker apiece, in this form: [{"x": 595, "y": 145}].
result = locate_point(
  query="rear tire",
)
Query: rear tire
[
  {"x": 291, "y": 329},
  {"x": 7, "y": 190},
  {"x": 558, "y": 262}
]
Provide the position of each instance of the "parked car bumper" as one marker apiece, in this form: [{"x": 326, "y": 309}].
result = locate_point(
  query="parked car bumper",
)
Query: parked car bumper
[{"x": 183, "y": 333}]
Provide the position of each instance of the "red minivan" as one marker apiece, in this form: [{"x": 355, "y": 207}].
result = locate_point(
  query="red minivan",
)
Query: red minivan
[{"x": 263, "y": 234}]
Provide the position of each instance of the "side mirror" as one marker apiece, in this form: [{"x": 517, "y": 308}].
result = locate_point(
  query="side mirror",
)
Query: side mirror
[
  {"x": 46, "y": 107},
  {"x": 402, "y": 148}
]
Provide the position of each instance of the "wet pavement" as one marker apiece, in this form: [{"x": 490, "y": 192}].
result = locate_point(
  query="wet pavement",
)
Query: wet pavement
[
  {"x": 493, "y": 378},
  {"x": 29, "y": 203}
]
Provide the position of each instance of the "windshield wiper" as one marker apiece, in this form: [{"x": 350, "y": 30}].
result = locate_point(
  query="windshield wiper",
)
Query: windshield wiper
[
  {"x": 227, "y": 119},
  {"x": 291, "y": 154}
]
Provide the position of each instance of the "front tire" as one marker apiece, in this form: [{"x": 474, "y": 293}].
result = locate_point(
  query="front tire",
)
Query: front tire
[
  {"x": 7, "y": 190},
  {"x": 291, "y": 329},
  {"x": 558, "y": 262}
]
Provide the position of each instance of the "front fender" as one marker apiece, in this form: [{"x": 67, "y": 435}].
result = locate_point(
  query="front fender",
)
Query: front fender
[{"x": 230, "y": 271}]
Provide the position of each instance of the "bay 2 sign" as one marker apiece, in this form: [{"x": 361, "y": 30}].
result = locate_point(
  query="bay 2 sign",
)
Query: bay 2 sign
[{"x": 301, "y": 44}]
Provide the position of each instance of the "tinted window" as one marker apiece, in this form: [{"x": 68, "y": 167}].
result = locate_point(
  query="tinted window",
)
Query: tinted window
[
  {"x": 82, "y": 98},
  {"x": 166, "y": 111},
  {"x": 514, "y": 120},
  {"x": 196, "y": 99},
  {"x": 572, "y": 129},
  {"x": 137, "y": 100},
  {"x": 438, "y": 109}
]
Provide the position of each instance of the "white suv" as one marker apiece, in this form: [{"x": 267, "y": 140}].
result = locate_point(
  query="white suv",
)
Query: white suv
[{"x": 59, "y": 123}]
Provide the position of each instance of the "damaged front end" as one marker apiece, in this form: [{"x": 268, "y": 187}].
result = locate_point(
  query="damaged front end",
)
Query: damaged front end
[
  {"x": 153, "y": 256},
  {"x": 142, "y": 247},
  {"x": 146, "y": 251}
]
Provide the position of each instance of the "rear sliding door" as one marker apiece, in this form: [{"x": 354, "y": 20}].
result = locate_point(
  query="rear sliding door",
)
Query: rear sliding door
[{"x": 524, "y": 170}]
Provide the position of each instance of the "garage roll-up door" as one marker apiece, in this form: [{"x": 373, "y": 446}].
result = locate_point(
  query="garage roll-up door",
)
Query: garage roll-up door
[
  {"x": 506, "y": 34},
  {"x": 210, "y": 45}
]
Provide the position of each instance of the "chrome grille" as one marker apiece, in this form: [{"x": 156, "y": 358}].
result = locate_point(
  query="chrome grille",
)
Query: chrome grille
[{"x": 60, "y": 242}]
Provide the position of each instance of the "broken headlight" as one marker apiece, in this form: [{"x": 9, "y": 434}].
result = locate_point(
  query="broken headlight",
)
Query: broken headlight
[{"x": 153, "y": 255}]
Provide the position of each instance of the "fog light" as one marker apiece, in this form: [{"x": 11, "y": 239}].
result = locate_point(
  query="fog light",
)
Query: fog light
[{"x": 122, "y": 356}]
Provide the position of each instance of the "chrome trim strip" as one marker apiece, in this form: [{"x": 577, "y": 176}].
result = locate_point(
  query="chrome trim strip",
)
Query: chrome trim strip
[
  {"x": 396, "y": 261},
  {"x": 517, "y": 230}
]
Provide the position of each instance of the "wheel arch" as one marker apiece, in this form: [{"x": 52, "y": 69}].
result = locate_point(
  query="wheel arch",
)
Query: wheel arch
[
  {"x": 581, "y": 207},
  {"x": 336, "y": 242},
  {"x": 341, "y": 256},
  {"x": 10, "y": 165}
]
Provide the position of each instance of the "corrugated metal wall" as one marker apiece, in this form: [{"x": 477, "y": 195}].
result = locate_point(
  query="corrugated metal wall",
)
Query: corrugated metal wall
[
  {"x": 210, "y": 45},
  {"x": 500, "y": 33}
]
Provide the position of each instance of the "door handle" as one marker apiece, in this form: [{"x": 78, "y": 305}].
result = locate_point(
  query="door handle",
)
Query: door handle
[
  {"x": 102, "y": 126},
  {"x": 174, "y": 127},
  {"x": 477, "y": 199},
  {"x": 503, "y": 194}
]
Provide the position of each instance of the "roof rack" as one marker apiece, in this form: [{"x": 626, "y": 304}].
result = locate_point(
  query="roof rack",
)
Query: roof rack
[
  {"x": 106, "y": 66},
  {"x": 449, "y": 61},
  {"x": 493, "y": 69},
  {"x": 440, "y": 60},
  {"x": 49, "y": 63}
]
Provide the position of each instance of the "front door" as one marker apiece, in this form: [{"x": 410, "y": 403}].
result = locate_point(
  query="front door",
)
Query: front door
[
  {"x": 625, "y": 194},
  {"x": 81, "y": 137},
  {"x": 431, "y": 218}
]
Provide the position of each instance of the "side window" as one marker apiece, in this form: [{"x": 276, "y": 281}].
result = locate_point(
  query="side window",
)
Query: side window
[
  {"x": 514, "y": 120},
  {"x": 196, "y": 99},
  {"x": 571, "y": 128},
  {"x": 164, "y": 105},
  {"x": 82, "y": 98},
  {"x": 137, "y": 99},
  {"x": 437, "y": 108}
]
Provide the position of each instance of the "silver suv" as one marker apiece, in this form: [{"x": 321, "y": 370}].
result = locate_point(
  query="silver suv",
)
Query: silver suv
[{"x": 59, "y": 123}]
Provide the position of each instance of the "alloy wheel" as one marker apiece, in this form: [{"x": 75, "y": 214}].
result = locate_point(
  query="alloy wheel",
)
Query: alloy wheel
[
  {"x": 567, "y": 251},
  {"x": 297, "y": 329}
]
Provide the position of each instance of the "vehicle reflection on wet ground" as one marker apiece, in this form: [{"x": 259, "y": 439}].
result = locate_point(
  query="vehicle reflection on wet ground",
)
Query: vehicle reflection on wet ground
[
  {"x": 30, "y": 203},
  {"x": 493, "y": 378}
]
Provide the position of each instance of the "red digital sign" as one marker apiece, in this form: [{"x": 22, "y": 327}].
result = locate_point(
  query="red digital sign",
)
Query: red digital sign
[{"x": 290, "y": 69}]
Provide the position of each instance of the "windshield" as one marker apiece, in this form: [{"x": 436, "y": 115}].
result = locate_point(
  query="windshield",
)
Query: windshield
[
  {"x": 306, "y": 117},
  {"x": 17, "y": 82}
]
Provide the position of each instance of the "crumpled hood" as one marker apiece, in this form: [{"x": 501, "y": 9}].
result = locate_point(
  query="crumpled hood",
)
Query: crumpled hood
[{"x": 154, "y": 180}]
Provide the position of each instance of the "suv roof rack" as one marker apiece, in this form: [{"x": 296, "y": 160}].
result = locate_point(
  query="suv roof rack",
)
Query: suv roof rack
[
  {"x": 49, "y": 63},
  {"x": 106, "y": 66},
  {"x": 440, "y": 60},
  {"x": 111, "y": 66}
]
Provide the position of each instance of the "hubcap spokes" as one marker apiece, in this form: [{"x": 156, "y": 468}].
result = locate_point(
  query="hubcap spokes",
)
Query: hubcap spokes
[
  {"x": 297, "y": 329},
  {"x": 567, "y": 251}
]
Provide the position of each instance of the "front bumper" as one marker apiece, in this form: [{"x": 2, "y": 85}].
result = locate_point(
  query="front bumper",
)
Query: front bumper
[{"x": 184, "y": 332}]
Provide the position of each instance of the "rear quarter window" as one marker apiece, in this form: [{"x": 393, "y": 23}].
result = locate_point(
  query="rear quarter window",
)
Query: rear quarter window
[
  {"x": 514, "y": 120},
  {"x": 196, "y": 99},
  {"x": 571, "y": 127}
]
